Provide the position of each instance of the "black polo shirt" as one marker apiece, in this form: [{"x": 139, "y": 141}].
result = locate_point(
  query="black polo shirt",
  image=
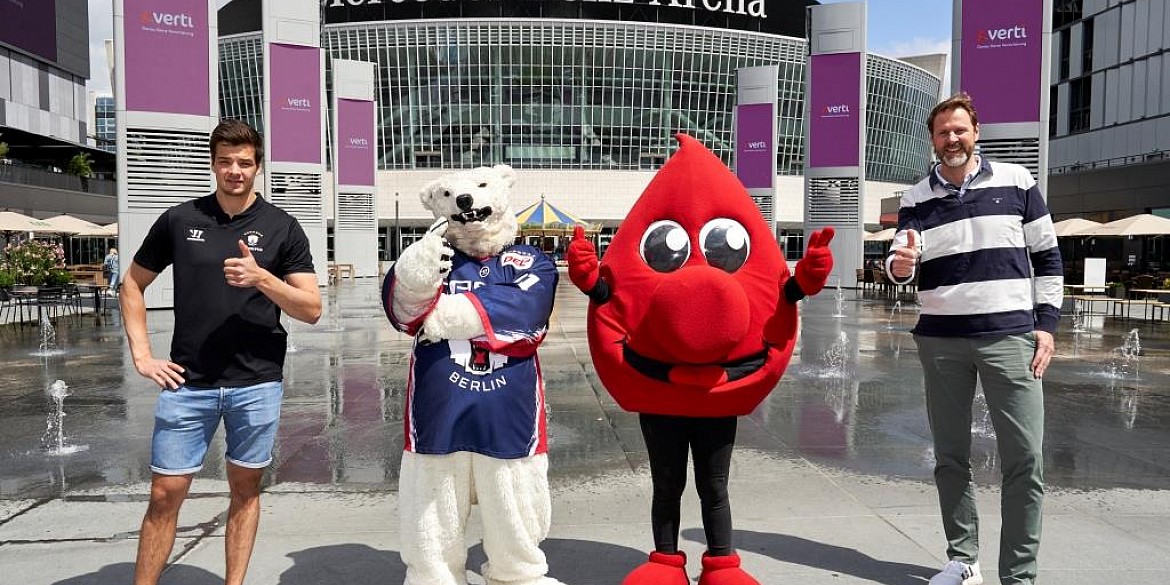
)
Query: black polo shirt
[{"x": 225, "y": 336}]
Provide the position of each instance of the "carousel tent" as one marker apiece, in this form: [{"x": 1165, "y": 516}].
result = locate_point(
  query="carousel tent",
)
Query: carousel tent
[{"x": 543, "y": 218}]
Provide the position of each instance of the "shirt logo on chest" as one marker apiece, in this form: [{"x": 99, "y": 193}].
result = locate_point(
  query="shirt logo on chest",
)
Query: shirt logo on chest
[
  {"x": 195, "y": 235},
  {"x": 252, "y": 239}
]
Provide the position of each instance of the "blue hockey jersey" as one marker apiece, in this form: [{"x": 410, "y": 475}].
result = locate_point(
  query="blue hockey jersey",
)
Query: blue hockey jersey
[{"x": 484, "y": 395}]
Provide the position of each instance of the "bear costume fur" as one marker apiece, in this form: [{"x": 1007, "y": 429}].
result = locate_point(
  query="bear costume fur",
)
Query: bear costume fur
[{"x": 475, "y": 424}]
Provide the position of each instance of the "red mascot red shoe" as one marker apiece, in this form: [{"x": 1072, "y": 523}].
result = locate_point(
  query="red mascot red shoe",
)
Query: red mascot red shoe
[
  {"x": 724, "y": 570},
  {"x": 661, "y": 569}
]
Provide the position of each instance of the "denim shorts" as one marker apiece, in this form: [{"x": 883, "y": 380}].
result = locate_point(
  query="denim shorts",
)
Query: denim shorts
[{"x": 186, "y": 419}]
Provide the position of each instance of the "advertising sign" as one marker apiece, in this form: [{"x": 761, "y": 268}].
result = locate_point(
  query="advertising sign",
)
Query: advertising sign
[
  {"x": 1000, "y": 59},
  {"x": 834, "y": 106},
  {"x": 294, "y": 117},
  {"x": 30, "y": 25},
  {"x": 754, "y": 150},
  {"x": 167, "y": 56},
  {"x": 355, "y": 142}
]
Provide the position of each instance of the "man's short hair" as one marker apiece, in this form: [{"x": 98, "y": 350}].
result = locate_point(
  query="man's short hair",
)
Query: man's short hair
[
  {"x": 237, "y": 133},
  {"x": 959, "y": 100}
]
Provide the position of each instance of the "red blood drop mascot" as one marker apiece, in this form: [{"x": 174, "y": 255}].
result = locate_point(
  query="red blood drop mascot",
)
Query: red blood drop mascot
[{"x": 692, "y": 321}]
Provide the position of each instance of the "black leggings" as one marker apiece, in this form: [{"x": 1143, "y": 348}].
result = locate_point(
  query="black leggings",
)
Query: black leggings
[{"x": 710, "y": 440}]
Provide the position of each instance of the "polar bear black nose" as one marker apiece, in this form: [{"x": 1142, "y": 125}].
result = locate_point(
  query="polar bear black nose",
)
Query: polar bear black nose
[{"x": 464, "y": 202}]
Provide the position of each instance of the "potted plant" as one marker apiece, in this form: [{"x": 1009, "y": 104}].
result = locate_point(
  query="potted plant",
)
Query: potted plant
[
  {"x": 1115, "y": 290},
  {"x": 81, "y": 166}
]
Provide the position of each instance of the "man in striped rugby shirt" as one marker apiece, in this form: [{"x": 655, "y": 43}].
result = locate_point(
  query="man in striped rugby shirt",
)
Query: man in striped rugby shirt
[{"x": 980, "y": 238}]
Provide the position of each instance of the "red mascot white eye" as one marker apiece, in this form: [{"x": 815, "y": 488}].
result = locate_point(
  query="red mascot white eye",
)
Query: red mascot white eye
[
  {"x": 726, "y": 244},
  {"x": 665, "y": 246}
]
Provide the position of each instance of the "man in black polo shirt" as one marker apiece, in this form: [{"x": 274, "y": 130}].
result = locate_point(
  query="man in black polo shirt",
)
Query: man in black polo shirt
[{"x": 238, "y": 262}]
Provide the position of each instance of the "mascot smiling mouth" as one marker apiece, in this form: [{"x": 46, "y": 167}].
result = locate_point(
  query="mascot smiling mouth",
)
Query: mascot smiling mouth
[
  {"x": 472, "y": 215},
  {"x": 658, "y": 370}
]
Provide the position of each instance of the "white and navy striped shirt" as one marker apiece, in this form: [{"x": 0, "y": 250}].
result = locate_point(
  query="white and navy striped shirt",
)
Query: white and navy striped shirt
[{"x": 990, "y": 264}]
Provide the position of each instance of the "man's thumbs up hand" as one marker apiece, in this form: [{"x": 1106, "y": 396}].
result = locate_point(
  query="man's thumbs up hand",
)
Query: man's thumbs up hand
[
  {"x": 906, "y": 257},
  {"x": 243, "y": 272}
]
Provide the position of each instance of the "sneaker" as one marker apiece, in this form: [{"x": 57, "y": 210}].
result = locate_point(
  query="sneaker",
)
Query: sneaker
[{"x": 958, "y": 573}]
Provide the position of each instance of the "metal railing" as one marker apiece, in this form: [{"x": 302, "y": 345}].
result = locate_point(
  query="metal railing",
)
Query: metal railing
[{"x": 22, "y": 174}]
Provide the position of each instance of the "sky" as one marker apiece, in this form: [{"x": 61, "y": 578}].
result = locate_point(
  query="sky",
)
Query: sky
[{"x": 897, "y": 28}]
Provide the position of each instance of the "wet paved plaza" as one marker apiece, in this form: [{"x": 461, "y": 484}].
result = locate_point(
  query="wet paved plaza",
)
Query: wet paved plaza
[
  {"x": 851, "y": 399},
  {"x": 830, "y": 481}
]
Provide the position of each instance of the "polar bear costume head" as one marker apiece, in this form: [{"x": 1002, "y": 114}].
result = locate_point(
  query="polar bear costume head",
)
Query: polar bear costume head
[{"x": 475, "y": 203}]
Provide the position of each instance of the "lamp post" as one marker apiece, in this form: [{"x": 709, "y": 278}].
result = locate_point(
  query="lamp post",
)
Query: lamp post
[{"x": 397, "y": 236}]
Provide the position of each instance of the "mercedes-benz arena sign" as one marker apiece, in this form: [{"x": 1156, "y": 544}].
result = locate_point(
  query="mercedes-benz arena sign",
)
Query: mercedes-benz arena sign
[
  {"x": 742, "y": 7},
  {"x": 784, "y": 17}
]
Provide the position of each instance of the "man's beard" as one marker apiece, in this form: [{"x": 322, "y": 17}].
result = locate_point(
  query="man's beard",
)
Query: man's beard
[{"x": 954, "y": 160}]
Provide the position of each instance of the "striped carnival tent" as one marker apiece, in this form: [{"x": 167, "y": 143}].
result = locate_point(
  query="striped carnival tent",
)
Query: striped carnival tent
[{"x": 543, "y": 218}]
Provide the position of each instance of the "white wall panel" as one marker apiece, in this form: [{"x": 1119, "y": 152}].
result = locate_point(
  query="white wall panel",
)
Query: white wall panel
[
  {"x": 5, "y": 79},
  {"x": 1097, "y": 108},
  {"x": 1062, "y": 97},
  {"x": 1092, "y": 7},
  {"x": 1127, "y": 32},
  {"x": 1111, "y": 97},
  {"x": 1154, "y": 83},
  {"x": 1125, "y": 93},
  {"x": 26, "y": 88},
  {"x": 1138, "y": 95},
  {"x": 1165, "y": 82},
  {"x": 1105, "y": 39},
  {"x": 1149, "y": 140},
  {"x": 1157, "y": 25},
  {"x": 1075, "y": 51},
  {"x": 1141, "y": 27}
]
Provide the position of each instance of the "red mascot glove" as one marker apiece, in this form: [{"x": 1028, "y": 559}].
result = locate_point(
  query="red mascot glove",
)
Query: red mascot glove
[
  {"x": 583, "y": 264},
  {"x": 813, "y": 270}
]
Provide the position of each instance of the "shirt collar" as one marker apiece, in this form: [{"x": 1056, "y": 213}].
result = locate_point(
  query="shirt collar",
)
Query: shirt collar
[
  {"x": 222, "y": 216},
  {"x": 936, "y": 179}
]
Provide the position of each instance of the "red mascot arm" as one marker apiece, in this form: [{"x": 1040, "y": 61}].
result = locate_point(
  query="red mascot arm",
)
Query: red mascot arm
[
  {"x": 584, "y": 268},
  {"x": 812, "y": 271}
]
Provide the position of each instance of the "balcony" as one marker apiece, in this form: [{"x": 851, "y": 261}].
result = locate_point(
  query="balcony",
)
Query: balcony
[{"x": 34, "y": 176}]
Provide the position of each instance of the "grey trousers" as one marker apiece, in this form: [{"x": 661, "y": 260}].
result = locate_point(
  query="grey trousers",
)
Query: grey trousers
[{"x": 1015, "y": 401}]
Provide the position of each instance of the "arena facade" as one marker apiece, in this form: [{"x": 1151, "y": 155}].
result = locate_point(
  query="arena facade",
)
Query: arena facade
[{"x": 582, "y": 97}]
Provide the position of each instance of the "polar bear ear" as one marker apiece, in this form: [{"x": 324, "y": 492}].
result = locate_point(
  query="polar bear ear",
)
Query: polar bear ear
[
  {"x": 507, "y": 173},
  {"x": 427, "y": 194}
]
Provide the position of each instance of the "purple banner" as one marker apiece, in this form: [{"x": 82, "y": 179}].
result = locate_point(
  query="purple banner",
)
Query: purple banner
[
  {"x": 30, "y": 25},
  {"x": 294, "y": 116},
  {"x": 834, "y": 129},
  {"x": 167, "y": 56},
  {"x": 754, "y": 149},
  {"x": 355, "y": 142},
  {"x": 1000, "y": 59}
]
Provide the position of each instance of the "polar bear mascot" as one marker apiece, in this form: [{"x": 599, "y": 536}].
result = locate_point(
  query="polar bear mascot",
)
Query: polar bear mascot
[{"x": 475, "y": 424}]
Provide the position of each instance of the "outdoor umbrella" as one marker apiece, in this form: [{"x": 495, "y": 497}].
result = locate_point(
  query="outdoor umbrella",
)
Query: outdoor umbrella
[
  {"x": 97, "y": 231},
  {"x": 71, "y": 225},
  {"x": 10, "y": 221},
  {"x": 1073, "y": 227},
  {"x": 1143, "y": 224},
  {"x": 885, "y": 235}
]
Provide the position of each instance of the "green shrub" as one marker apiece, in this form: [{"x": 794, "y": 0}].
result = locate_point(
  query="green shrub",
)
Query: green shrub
[{"x": 31, "y": 262}]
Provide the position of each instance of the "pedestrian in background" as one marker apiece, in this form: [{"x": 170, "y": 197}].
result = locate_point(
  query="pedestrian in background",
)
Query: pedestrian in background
[{"x": 111, "y": 270}]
